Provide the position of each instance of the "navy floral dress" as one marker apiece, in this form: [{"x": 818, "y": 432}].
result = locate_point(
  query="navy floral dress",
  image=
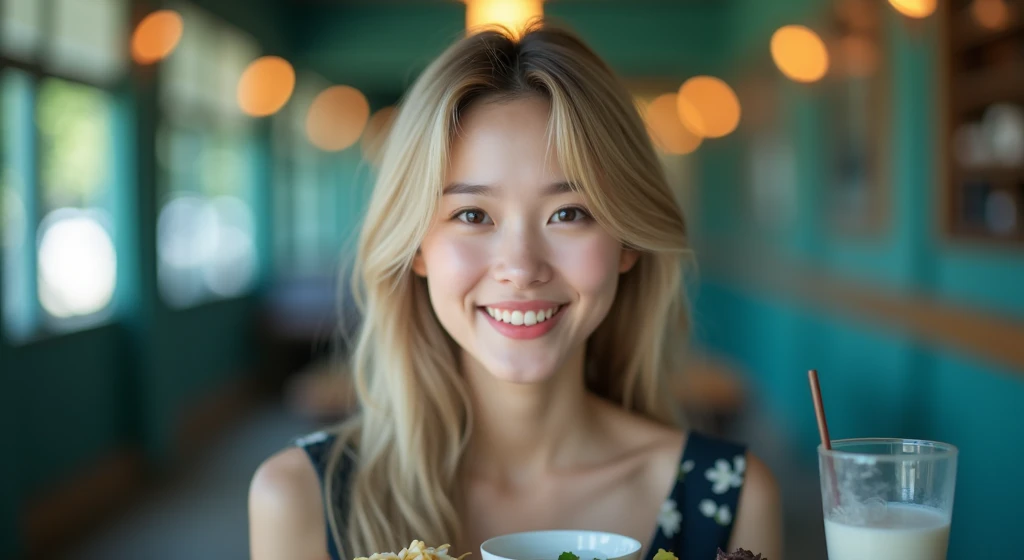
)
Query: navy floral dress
[{"x": 694, "y": 522}]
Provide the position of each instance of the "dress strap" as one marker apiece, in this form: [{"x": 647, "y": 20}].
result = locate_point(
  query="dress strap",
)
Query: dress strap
[{"x": 318, "y": 446}]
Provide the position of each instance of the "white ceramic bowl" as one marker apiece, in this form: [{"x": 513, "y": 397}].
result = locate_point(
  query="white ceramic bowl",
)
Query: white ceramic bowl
[{"x": 547, "y": 545}]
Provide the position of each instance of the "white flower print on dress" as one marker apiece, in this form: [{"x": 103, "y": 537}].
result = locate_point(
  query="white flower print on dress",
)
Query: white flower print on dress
[
  {"x": 724, "y": 476},
  {"x": 685, "y": 469},
  {"x": 740, "y": 464},
  {"x": 723, "y": 516},
  {"x": 669, "y": 518},
  {"x": 720, "y": 514},
  {"x": 708, "y": 508}
]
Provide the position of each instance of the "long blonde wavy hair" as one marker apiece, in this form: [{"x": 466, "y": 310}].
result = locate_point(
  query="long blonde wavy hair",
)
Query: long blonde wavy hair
[{"x": 407, "y": 440}]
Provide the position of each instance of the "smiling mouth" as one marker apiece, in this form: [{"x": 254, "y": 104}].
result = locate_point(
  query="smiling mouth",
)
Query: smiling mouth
[{"x": 520, "y": 318}]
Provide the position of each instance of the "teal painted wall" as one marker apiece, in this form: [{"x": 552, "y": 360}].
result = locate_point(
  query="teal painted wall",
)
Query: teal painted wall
[
  {"x": 68, "y": 404},
  {"x": 10, "y": 496},
  {"x": 876, "y": 380},
  {"x": 992, "y": 279}
]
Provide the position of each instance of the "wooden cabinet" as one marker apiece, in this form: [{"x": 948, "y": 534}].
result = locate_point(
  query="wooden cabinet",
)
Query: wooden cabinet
[{"x": 983, "y": 159}]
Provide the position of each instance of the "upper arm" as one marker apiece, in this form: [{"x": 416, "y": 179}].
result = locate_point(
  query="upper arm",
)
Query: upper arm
[
  {"x": 758, "y": 525},
  {"x": 286, "y": 518}
]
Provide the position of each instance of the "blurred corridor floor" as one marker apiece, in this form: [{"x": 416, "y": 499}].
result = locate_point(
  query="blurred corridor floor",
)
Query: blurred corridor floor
[{"x": 202, "y": 514}]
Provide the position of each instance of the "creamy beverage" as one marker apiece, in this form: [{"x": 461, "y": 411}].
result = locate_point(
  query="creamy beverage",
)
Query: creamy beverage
[{"x": 899, "y": 532}]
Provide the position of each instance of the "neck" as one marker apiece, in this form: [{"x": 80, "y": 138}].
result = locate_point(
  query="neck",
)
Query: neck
[{"x": 521, "y": 430}]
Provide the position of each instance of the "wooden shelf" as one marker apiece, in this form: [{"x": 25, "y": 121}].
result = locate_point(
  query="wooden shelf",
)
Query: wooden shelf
[
  {"x": 967, "y": 35},
  {"x": 983, "y": 67},
  {"x": 1000, "y": 174},
  {"x": 978, "y": 89},
  {"x": 984, "y": 236}
]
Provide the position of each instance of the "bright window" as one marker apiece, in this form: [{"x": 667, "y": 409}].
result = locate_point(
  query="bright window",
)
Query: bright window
[{"x": 77, "y": 261}]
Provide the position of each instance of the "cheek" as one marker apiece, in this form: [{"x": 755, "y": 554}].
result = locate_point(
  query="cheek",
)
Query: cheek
[
  {"x": 454, "y": 265},
  {"x": 590, "y": 264}
]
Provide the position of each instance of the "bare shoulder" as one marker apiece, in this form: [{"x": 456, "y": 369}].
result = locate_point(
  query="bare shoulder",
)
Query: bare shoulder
[
  {"x": 286, "y": 509},
  {"x": 759, "y": 487},
  {"x": 758, "y": 525}
]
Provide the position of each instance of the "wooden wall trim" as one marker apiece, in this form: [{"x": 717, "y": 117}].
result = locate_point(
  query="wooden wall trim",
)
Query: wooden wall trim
[{"x": 983, "y": 334}]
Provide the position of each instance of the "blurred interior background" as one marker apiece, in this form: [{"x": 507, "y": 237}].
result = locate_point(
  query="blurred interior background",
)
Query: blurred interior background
[{"x": 182, "y": 183}]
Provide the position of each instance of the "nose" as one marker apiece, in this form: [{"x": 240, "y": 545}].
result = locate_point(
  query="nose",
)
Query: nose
[{"x": 520, "y": 258}]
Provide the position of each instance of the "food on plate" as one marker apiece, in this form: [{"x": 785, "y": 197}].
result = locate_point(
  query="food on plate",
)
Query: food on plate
[
  {"x": 417, "y": 550},
  {"x": 738, "y": 554}
]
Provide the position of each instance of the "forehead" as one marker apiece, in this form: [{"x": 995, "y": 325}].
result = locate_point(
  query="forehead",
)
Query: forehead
[{"x": 505, "y": 143}]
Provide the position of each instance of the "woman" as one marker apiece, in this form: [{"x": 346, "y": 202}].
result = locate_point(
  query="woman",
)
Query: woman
[{"x": 520, "y": 278}]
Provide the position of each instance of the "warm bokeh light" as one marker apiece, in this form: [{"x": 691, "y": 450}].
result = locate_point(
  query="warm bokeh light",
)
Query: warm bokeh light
[
  {"x": 799, "y": 53},
  {"x": 991, "y": 14},
  {"x": 156, "y": 36},
  {"x": 666, "y": 130},
  {"x": 512, "y": 14},
  {"x": 336, "y": 118},
  {"x": 377, "y": 130},
  {"x": 858, "y": 56},
  {"x": 915, "y": 8},
  {"x": 708, "y": 107},
  {"x": 265, "y": 86}
]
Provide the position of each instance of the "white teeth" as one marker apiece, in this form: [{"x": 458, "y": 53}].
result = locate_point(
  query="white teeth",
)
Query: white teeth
[{"x": 521, "y": 318}]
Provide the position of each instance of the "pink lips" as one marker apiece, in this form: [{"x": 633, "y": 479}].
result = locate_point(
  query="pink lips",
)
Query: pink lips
[{"x": 523, "y": 332}]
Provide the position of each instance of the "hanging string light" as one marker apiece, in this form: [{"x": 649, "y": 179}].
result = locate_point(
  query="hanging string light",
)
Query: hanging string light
[
  {"x": 156, "y": 36},
  {"x": 265, "y": 86},
  {"x": 799, "y": 53},
  {"x": 708, "y": 107}
]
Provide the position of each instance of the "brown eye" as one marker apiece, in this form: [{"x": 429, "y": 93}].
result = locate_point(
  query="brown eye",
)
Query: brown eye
[
  {"x": 571, "y": 214},
  {"x": 475, "y": 217}
]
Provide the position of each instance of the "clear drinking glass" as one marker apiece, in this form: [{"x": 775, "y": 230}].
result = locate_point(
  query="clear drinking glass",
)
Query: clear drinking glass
[{"x": 887, "y": 499}]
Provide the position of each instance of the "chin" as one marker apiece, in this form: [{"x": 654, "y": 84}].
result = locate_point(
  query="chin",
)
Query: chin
[
  {"x": 534, "y": 372},
  {"x": 522, "y": 377}
]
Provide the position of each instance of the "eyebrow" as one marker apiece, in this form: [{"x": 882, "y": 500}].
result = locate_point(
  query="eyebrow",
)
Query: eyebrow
[{"x": 561, "y": 187}]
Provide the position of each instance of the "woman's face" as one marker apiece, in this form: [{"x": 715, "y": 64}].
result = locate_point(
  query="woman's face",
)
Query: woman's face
[{"x": 519, "y": 273}]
